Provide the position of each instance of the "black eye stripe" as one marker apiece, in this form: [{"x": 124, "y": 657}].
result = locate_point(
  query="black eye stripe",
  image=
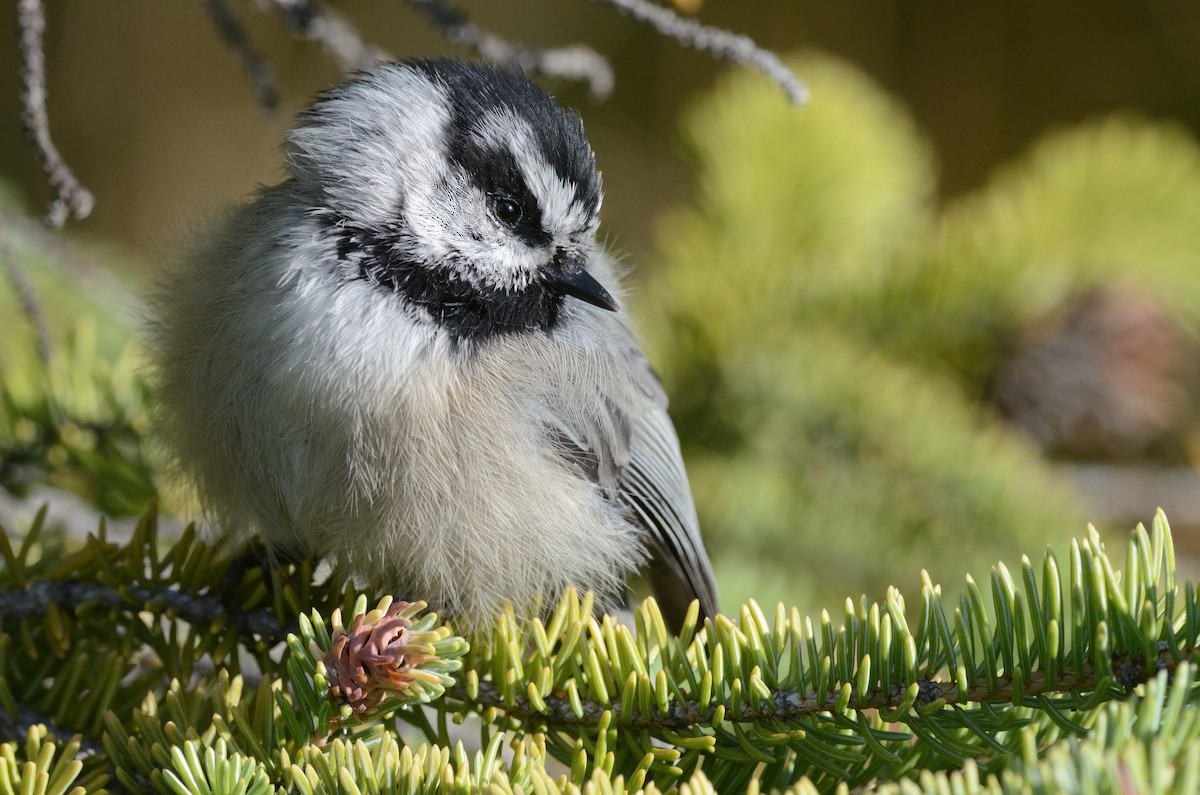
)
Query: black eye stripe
[{"x": 495, "y": 173}]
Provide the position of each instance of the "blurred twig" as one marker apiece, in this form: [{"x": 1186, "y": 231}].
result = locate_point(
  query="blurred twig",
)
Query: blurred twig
[
  {"x": 26, "y": 297},
  {"x": 717, "y": 42},
  {"x": 339, "y": 37},
  {"x": 260, "y": 72},
  {"x": 71, "y": 199},
  {"x": 330, "y": 29},
  {"x": 575, "y": 62}
]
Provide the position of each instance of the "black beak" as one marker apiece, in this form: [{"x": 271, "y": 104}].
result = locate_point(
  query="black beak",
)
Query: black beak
[{"x": 568, "y": 277}]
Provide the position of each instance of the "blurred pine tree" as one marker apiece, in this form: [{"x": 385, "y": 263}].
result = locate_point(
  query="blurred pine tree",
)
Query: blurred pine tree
[{"x": 830, "y": 337}]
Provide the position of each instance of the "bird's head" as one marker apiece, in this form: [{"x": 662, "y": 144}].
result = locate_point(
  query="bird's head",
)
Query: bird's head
[{"x": 459, "y": 186}]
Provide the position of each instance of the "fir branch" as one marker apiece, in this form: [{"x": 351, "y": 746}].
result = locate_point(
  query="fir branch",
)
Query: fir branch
[
  {"x": 83, "y": 429},
  {"x": 16, "y": 727},
  {"x": 558, "y": 712},
  {"x": 716, "y": 42},
  {"x": 35, "y": 601},
  {"x": 1145, "y": 745},
  {"x": 42, "y": 762},
  {"x": 71, "y": 199},
  {"x": 745, "y": 686},
  {"x": 826, "y": 701}
]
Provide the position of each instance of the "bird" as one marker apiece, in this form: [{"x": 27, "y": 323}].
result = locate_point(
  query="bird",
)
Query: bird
[{"x": 409, "y": 358}]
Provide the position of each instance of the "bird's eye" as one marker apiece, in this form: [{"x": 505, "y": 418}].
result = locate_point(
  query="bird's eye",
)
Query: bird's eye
[{"x": 507, "y": 210}]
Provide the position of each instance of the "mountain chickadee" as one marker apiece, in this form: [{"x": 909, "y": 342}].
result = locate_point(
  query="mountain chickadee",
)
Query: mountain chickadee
[{"x": 407, "y": 358}]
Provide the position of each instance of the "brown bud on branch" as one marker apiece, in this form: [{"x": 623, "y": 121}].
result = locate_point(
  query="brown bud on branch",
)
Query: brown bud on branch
[{"x": 374, "y": 660}]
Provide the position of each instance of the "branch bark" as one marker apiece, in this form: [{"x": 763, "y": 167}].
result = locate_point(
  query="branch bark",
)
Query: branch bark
[{"x": 71, "y": 198}]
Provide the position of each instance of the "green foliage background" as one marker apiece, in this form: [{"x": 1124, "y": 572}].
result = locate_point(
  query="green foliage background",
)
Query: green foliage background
[
  {"x": 79, "y": 421},
  {"x": 826, "y": 330}
]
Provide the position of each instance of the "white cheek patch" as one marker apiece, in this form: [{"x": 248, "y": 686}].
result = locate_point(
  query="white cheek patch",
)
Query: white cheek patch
[
  {"x": 498, "y": 258},
  {"x": 435, "y": 209},
  {"x": 491, "y": 256}
]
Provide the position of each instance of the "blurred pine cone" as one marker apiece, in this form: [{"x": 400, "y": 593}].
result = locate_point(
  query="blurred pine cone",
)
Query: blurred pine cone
[{"x": 1110, "y": 375}]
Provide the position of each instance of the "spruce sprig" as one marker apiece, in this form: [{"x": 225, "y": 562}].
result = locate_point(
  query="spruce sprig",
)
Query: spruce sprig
[{"x": 143, "y": 647}]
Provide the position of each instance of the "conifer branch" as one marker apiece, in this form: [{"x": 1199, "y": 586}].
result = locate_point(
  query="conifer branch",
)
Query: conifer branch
[
  {"x": 36, "y": 600},
  {"x": 834, "y": 702},
  {"x": 16, "y": 727},
  {"x": 789, "y": 705}
]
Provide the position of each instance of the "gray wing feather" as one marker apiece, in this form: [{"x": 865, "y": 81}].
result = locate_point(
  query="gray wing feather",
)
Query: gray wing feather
[
  {"x": 654, "y": 487},
  {"x": 621, "y": 438},
  {"x": 629, "y": 448}
]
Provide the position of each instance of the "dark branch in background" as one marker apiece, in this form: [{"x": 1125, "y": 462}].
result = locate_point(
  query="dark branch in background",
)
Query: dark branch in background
[
  {"x": 26, "y": 297},
  {"x": 15, "y": 728},
  {"x": 71, "y": 199},
  {"x": 716, "y": 42},
  {"x": 34, "y": 601},
  {"x": 330, "y": 29},
  {"x": 260, "y": 72},
  {"x": 576, "y": 62}
]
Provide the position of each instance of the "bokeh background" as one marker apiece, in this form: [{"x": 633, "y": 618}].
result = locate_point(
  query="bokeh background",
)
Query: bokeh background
[{"x": 943, "y": 315}]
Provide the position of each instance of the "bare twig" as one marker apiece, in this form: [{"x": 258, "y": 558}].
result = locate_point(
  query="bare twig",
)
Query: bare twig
[
  {"x": 260, "y": 72},
  {"x": 575, "y": 62},
  {"x": 71, "y": 199},
  {"x": 27, "y": 298},
  {"x": 330, "y": 29},
  {"x": 714, "y": 41}
]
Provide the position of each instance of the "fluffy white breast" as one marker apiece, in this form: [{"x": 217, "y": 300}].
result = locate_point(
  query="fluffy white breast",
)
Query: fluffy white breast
[{"x": 422, "y": 465}]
